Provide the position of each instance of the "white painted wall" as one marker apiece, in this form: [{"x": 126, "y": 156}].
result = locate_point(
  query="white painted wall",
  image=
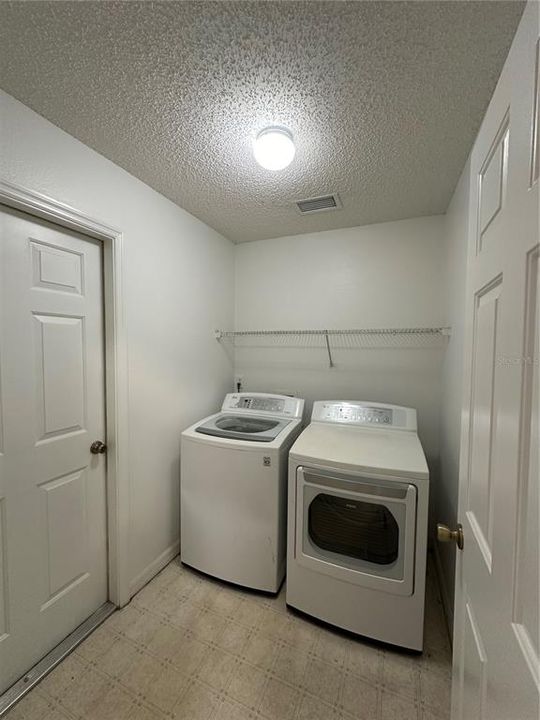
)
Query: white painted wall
[
  {"x": 445, "y": 494},
  {"x": 178, "y": 288},
  {"x": 385, "y": 275}
]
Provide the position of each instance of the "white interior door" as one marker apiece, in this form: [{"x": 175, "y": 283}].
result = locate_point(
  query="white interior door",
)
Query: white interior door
[
  {"x": 496, "y": 641},
  {"x": 52, "y": 489}
]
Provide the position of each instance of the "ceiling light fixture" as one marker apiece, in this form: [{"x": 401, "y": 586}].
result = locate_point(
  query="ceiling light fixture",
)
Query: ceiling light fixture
[{"x": 273, "y": 148}]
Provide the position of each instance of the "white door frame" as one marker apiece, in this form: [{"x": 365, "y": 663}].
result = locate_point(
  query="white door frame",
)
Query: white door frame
[{"x": 116, "y": 368}]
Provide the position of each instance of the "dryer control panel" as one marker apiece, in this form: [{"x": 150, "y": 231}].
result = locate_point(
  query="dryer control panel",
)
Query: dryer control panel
[
  {"x": 263, "y": 404},
  {"x": 370, "y": 414}
]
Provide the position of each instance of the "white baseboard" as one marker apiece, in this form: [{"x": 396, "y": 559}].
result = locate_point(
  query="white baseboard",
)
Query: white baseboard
[
  {"x": 153, "y": 568},
  {"x": 447, "y": 600}
]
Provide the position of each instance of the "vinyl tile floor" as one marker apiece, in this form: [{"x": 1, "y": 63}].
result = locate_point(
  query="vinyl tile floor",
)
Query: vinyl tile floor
[{"x": 188, "y": 647}]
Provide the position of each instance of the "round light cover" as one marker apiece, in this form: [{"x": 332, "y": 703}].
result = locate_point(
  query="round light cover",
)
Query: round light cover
[{"x": 273, "y": 148}]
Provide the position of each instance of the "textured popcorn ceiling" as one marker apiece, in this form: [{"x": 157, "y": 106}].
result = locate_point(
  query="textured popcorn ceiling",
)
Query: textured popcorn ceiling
[{"x": 384, "y": 98}]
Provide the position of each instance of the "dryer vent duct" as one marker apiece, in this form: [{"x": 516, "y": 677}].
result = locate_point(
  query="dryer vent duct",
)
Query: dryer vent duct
[{"x": 318, "y": 204}]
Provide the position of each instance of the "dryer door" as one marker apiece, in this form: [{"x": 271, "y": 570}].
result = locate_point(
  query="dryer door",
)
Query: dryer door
[{"x": 357, "y": 528}]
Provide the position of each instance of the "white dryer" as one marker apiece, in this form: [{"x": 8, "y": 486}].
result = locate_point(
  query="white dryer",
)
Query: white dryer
[
  {"x": 358, "y": 513},
  {"x": 233, "y": 489}
]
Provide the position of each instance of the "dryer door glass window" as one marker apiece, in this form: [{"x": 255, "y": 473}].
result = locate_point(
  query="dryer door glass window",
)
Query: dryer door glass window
[{"x": 362, "y": 530}]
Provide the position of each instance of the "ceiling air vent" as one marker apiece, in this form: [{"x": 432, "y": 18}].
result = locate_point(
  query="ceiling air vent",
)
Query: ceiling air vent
[{"x": 326, "y": 202}]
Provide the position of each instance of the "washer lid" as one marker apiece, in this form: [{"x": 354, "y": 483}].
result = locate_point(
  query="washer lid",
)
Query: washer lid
[
  {"x": 243, "y": 427},
  {"x": 385, "y": 452}
]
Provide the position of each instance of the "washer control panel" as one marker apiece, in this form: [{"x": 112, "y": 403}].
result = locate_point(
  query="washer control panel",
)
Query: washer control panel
[
  {"x": 261, "y": 403},
  {"x": 376, "y": 415}
]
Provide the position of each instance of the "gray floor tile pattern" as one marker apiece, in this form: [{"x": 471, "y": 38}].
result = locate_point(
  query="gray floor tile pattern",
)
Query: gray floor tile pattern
[{"x": 191, "y": 648}]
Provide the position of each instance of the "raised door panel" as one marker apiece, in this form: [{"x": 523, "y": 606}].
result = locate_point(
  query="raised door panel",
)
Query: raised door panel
[
  {"x": 535, "y": 154},
  {"x": 59, "y": 345},
  {"x": 4, "y": 595},
  {"x": 4, "y": 599},
  {"x": 483, "y": 416},
  {"x": 474, "y": 669},
  {"x": 526, "y": 620},
  {"x": 66, "y": 538},
  {"x": 56, "y": 268},
  {"x": 492, "y": 185},
  {"x": 1, "y": 417}
]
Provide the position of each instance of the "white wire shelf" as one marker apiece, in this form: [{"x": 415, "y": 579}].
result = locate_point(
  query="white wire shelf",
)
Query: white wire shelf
[
  {"x": 367, "y": 337},
  {"x": 219, "y": 334}
]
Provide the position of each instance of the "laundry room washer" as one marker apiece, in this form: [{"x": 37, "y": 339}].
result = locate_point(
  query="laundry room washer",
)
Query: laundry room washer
[
  {"x": 357, "y": 521},
  {"x": 233, "y": 489}
]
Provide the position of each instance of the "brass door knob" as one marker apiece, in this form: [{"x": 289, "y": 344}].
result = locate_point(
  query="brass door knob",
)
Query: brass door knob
[
  {"x": 444, "y": 534},
  {"x": 98, "y": 447}
]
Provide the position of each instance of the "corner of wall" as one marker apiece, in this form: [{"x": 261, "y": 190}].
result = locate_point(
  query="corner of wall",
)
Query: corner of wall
[{"x": 446, "y": 491}]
